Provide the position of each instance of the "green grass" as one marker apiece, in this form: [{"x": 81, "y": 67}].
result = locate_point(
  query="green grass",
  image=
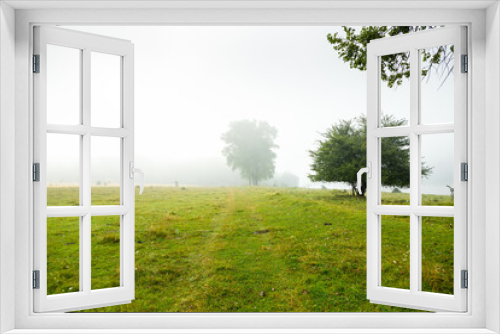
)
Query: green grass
[{"x": 250, "y": 249}]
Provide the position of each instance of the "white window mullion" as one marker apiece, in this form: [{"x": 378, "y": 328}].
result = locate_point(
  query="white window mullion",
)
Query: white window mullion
[
  {"x": 86, "y": 247},
  {"x": 433, "y": 129},
  {"x": 127, "y": 226},
  {"x": 417, "y": 155},
  {"x": 414, "y": 172},
  {"x": 80, "y": 211},
  {"x": 373, "y": 183},
  {"x": 105, "y": 132},
  {"x": 405, "y": 210},
  {"x": 401, "y": 131},
  {"x": 82, "y": 130},
  {"x": 125, "y": 190}
]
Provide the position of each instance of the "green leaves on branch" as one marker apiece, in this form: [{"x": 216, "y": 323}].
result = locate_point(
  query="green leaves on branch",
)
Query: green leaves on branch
[
  {"x": 249, "y": 149},
  {"x": 395, "y": 67},
  {"x": 342, "y": 152}
]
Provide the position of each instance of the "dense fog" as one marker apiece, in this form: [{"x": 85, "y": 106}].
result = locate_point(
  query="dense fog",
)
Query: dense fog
[{"x": 192, "y": 82}]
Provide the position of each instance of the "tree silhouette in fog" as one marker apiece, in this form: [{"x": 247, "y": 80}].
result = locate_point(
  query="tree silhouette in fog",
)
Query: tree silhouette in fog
[{"x": 249, "y": 149}]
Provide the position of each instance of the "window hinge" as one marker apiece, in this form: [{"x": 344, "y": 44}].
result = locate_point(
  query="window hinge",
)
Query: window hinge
[
  {"x": 465, "y": 64},
  {"x": 36, "y": 63},
  {"x": 36, "y": 279},
  {"x": 465, "y": 279},
  {"x": 36, "y": 172},
  {"x": 464, "y": 171}
]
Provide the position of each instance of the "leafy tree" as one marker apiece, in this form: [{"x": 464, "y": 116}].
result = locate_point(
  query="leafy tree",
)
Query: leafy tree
[
  {"x": 249, "y": 148},
  {"x": 352, "y": 49},
  {"x": 342, "y": 153}
]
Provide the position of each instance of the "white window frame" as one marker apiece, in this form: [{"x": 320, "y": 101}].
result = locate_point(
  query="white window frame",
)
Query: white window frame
[
  {"x": 484, "y": 47},
  {"x": 414, "y": 297},
  {"x": 86, "y": 297}
]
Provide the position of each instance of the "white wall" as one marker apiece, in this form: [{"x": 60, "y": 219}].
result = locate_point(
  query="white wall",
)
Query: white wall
[
  {"x": 492, "y": 164},
  {"x": 7, "y": 159},
  {"x": 23, "y": 135}
]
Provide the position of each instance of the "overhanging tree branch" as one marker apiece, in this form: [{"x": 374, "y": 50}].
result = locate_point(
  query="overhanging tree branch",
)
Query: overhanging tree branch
[{"x": 396, "y": 67}]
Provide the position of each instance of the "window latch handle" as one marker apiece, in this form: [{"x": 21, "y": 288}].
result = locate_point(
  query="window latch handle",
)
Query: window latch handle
[
  {"x": 368, "y": 171},
  {"x": 133, "y": 170}
]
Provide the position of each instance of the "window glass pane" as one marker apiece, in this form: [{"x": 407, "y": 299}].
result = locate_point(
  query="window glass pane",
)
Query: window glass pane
[
  {"x": 437, "y": 169},
  {"x": 437, "y": 85},
  {"x": 437, "y": 254},
  {"x": 63, "y": 255},
  {"x": 395, "y": 171},
  {"x": 105, "y": 252},
  {"x": 63, "y": 85},
  {"x": 395, "y": 251},
  {"x": 105, "y": 170},
  {"x": 395, "y": 89},
  {"x": 105, "y": 90},
  {"x": 63, "y": 169}
]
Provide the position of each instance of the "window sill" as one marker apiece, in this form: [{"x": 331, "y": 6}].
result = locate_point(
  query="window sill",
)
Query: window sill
[{"x": 253, "y": 331}]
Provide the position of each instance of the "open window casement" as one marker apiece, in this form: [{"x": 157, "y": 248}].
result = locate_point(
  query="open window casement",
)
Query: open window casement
[
  {"x": 422, "y": 127},
  {"x": 83, "y": 138}
]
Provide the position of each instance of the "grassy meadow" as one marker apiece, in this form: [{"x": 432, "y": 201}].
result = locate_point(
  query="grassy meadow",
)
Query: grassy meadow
[{"x": 248, "y": 249}]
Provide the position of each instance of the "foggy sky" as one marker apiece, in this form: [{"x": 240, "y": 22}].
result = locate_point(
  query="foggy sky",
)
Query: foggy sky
[{"x": 191, "y": 82}]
